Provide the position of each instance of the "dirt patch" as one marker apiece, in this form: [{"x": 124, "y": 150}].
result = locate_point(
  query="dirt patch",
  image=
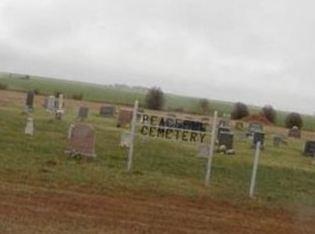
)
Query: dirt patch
[{"x": 26, "y": 209}]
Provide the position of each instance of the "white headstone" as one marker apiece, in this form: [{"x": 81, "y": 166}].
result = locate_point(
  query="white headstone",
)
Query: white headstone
[
  {"x": 70, "y": 130},
  {"x": 51, "y": 103},
  {"x": 29, "y": 129}
]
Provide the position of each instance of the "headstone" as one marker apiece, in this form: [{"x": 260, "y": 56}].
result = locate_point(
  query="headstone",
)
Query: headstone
[
  {"x": 83, "y": 112},
  {"x": 70, "y": 130},
  {"x": 124, "y": 117},
  {"x": 226, "y": 139},
  {"x": 239, "y": 125},
  {"x": 254, "y": 127},
  {"x": 51, "y": 104},
  {"x": 125, "y": 139},
  {"x": 29, "y": 129},
  {"x": 203, "y": 151},
  {"x": 223, "y": 129},
  {"x": 29, "y": 100},
  {"x": 224, "y": 123},
  {"x": 107, "y": 111},
  {"x": 45, "y": 105},
  {"x": 59, "y": 107},
  {"x": 279, "y": 140},
  {"x": 258, "y": 137},
  {"x": 309, "y": 148},
  {"x": 82, "y": 140},
  {"x": 295, "y": 132},
  {"x": 60, "y": 102}
]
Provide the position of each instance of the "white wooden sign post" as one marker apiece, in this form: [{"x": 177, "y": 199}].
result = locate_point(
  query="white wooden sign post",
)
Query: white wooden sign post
[
  {"x": 211, "y": 151},
  {"x": 133, "y": 133},
  {"x": 172, "y": 129},
  {"x": 255, "y": 166}
]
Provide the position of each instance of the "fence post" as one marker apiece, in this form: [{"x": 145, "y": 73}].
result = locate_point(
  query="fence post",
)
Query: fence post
[
  {"x": 211, "y": 151},
  {"x": 255, "y": 166},
  {"x": 133, "y": 133}
]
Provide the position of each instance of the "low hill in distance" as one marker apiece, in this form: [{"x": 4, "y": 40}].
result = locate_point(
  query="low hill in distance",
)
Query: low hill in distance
[{"x": 122, "y": 94}]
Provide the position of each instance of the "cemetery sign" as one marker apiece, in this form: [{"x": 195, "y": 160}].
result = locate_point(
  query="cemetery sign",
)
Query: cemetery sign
[{"x": 172, "y": 128}]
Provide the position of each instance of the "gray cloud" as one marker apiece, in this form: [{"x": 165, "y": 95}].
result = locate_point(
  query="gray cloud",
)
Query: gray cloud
[{"x": 258, "y": 52}]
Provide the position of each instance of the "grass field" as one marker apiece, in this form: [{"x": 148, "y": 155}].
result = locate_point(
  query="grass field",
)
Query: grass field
[
  {"x": 125, "y": 95},
  {"x": 285, "y": 180}
]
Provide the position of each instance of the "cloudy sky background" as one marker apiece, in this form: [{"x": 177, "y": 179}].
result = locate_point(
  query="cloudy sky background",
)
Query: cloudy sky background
[{"x": 254, "y": 51}]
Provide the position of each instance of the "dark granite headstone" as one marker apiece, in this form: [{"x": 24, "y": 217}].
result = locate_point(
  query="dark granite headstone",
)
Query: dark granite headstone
[
  {"x": 82, "y": 140},
  {"x": 107, "y": 111},
  {"x": 222, "y": 129},
  {"x": 226, "y": 139},
  {"x": 83, "y": 112},
  {"x": 258, "y": 136},
  {"x": 309, "y": 148},
  {"x": 30, "y": 100}
]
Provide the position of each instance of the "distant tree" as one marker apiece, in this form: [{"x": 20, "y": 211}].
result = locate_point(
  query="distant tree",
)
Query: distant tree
[
  {"x": 204, "y": 106},
  {"x": 154, "y": 99},
  {"x": 270, "y": 113},
  {"x": 239, "y": 111},
  {"x": 294, "y": 119},
  {"x": 3, "y": 86},
  {"x": 77, "y": 96}
]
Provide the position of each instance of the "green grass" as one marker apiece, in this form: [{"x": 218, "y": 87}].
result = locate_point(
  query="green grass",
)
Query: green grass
[
  {"x": 284, "y": 177},
  {"x": 124, "y": 95}
]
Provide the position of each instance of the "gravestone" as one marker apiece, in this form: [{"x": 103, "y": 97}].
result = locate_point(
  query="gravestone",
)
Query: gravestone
[
  {"x": 70, "y": 130},
  {"x": 107, "y": 111},
  {"x": 223, "y": 123},
  {"x": 82, "y": 140},
  {"x": 83, "y": 112},
  {"x": 239, "y": 125},
  {"x": 254, "y": 127},
  {"x": 29, "y": 100},
  {"x": 45, "y": 105},
  {"x": 295, "y": 132},
  {"x": 29, "y": 129},
  {"x": 60, "y": 102},
  {"x": 279, "y": 140},
  {"x": 223, "y": 129},
  {"x": 59, "y": 107},
  {"x": 51, "y": 103},
  {"x": 226, "y": 139},
  {"x": 203, "y": 151},
  {"x": 258, "y": 137},
  {"x": 124, "y": 117},
  {"x": 309, "y": 148},
  {"x": 125, "y": 139}
]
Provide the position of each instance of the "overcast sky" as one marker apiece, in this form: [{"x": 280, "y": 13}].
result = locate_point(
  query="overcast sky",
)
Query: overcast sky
[{"x": 255, "y": 51}]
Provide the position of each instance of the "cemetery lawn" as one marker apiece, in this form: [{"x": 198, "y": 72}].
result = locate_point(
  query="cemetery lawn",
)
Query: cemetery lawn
[
  {"x": 124, "y": 95},
  {"x": 42, "y": 190}
]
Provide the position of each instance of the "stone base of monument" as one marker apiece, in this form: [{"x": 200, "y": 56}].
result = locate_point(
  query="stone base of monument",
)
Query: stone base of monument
[{"x": 222, "y": 149}]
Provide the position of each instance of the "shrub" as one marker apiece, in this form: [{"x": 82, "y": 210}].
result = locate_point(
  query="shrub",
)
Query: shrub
[
  {"x": 294, "y": 119},
  {"x": 270, "y": 113},
  {"x": 204, "y": 106},
  {"x": 77, "y": 96},
  {"x": 240, "y": 110},
  {"x": 36, "y": 91},
  {"x": 154, "y": 99},
  {"x": 3, "y": 86}
]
